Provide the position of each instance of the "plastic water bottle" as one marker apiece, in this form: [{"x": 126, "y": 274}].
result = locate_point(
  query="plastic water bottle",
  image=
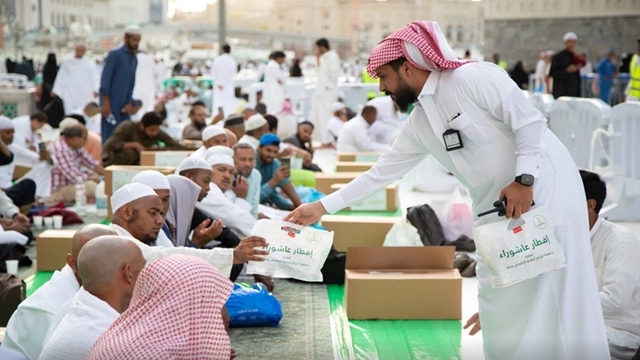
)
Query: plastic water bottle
[
  {"x": 81, "y": 197},
  {"x": 101, "y": 199}
]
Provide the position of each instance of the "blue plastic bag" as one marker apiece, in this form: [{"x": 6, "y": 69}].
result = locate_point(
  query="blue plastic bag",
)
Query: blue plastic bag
[
  {"x": 308, "y": 194},
  {"x": 253, "y": 307}
]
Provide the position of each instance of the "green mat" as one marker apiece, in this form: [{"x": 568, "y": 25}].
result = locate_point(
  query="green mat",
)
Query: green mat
[
  {"x": 36, "y": 280},
  {"x": 391, "y": 339}
]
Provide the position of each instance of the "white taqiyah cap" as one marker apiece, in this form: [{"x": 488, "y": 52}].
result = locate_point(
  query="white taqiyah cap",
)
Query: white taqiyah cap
[
  {"x": 211, "y": 131},
  {"x": 130, "y": 193},
  {"x": 255, "y": 122},
  {"x": 570, "y": 36},
  {"x": 5, "y": 123},
  {"x": 337, "y": 106},
  {"x": 219, "y": 159},
  {"x": 218, "y": 149},
  {"x": 193, "y": 163},
  {"x": 153, "y": 179},
  {"x": 133, "y": 30}
]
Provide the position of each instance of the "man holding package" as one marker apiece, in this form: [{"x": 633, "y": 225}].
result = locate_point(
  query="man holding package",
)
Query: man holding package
[{"x": 475, "y": 121}]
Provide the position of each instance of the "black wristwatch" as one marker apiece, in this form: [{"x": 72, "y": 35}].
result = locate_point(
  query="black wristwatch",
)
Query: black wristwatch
[{"x": 525, "y": 179}]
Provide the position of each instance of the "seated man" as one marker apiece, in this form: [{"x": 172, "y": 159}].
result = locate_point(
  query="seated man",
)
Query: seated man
[
  {"x": 235, "y": 124},
  {"x": 386, "y": 124},
  {"x": 336, "y": 123},
  {"x": 130, "y": 138},
  {"x": 108, "y": 267},
  {"x": 69, "y": 159},
  {"x": 92, "y": 117},
  {"x": 355, "y": 136},
  {"x": 256, "y": 126},
  {"x": 274, "y": 176},
  {"x": 93, "y": 146},
  {"x": 302, "y": 140},
  {"x": 212, "y": 135},
  {"x": 137, "y": 214},
  {"x": 244, "y": 158},
  {"x": 23, "y": 192},
  {"x": 616, "y": 256},
  {"x": 27, "y": 328},
  {"x": 27, "y": 129},
  {"x": 197, "y": 115},
  {"x": 160, "y": 185}
]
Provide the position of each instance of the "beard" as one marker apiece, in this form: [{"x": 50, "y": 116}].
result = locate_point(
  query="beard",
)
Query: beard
[{"x": 403, "y": 95}]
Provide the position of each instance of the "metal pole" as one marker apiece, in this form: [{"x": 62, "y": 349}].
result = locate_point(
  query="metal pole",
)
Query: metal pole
[{"x": 222, "y": 24}]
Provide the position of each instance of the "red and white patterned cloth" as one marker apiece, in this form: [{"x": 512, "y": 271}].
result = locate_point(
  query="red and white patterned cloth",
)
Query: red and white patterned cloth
[
  {"x": 175, "y": 313},
  {"x": 422, "y": 43},
  {"x": 67, "y": 164}
]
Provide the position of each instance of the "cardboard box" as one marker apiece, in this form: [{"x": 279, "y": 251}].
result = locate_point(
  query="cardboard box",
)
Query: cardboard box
[
  {"x": 353, "y": 166},
  {"x": 324, "y": 180},
  {"x": 192, "y": 144},
  {"x": 369, "y": 156},
  {"x": 383, "y": 200},
  {"x": 163, "y": 158},
  {"x": 412, "y": 283},
  {"x": 358, "y": 230},
  {"x": 117, "y": 176},
  {"x": 20, "y": 171},
  {"x": 52, "y": 249}
]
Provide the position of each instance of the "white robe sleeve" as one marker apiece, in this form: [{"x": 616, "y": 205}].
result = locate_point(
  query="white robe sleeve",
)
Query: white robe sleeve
[
  {"x": 25, "y": 154},
  {"x": 218, "y": 206},
  {"x": 243, "y": 204},
  {"x": 621, "y": 275},
  {"x": 405, "y": 153},
  {"x": 221, "y": 259}
]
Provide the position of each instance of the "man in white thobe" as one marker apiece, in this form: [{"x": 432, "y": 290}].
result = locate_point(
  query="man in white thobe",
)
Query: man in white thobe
[
  {"x": 27, "y": 127},
  {"x": 137, "y": 214},
  {"x": 275, "y": 80},
  {"x": 91, "y": 115},
  {"x": 160, "y": 73},
  {"x": 76, "y": 82},
  {"x": 507, "y": 152},
  {"x": 27, "y": 328},
  {"x": 355, "y": 135},
  {"x": 616, "y": 256},
  {"x": 145, "y": 85},
  {"x": 223, "y": 69},
  {"x": 386, "y": 124},
  {"x": 255, "y": 127},
  {"x": 212, "y": 135},
  {"x": 326, "y": 91},
  {"x": 108, "y": 267}
]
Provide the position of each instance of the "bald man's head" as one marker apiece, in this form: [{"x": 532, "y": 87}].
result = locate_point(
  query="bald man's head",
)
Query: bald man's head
[
  {"x": 80, "y": 238},
  {"x": 109, "y": 267}
]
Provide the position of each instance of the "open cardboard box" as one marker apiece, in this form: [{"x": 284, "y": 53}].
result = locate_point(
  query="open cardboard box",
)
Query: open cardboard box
[
  {"x": 408, "y": 283},
  {"x": 383, "y": 200},
  {"x": 117, "y": 176},
  {"x": 358, "y": 230},
  {"x": 353, "y": 166},
  {"x": 325, "y": 180},
  {"x": 365, "y": 156},
  {"x": 52, "y": 247},
  {"x": 163, "y": 158}
]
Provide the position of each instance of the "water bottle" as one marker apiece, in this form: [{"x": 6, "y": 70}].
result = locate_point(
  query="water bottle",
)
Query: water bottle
[
  {"x": 81, "y": 197},
  {"x": 101, "y": 199}
]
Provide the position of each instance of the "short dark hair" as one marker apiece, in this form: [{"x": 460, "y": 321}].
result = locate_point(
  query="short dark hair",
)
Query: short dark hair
[
  {"x": 369, "y": 109},
  {"x": 594, "y": 187},
  {"x": 261, "y": 108},
  {"x": 151, "y": 118},
  {"x": 40, "y": 116},
  {"x": 80, "y": 118},
  {"x": 92, "y": 105},
  {"x": 198, "y": 103},
  {"x": 279, "y": 55},
  {"x": 226, "y": 48},
  {"x": 272, "y": 121},
  {"x": 323, "y": 42},
  {"x": 73, "y": 131}
]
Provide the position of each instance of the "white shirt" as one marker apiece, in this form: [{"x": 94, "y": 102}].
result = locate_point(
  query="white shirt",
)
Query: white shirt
[
  {"x": 223, "y": 70},
  {"x": 27, "y": 328},
  {"x": 616, "y": 256},
  {"x": 221, "y": 259},
  {"x": 328, "y": 72},
  {"x": 586, "y": 69},
  {"x": 386, "y": 110},
  {"x": 335, "y": 126},
  {"x": 22, "y": 127},
  {"x": 76, "y": 82},
  {"x": 274, "y": 82},
  {"x": 77, "y": 327},
  {"x": 93, "y": 122},
  {"x": 355, "y": 137},
  {"x": 218, "y": 206}
]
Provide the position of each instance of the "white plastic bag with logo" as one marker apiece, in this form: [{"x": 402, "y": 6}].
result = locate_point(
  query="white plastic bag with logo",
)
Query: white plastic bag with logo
[
  {"x": 516, "y": 250},
  {"x": 294, "y": 251}
]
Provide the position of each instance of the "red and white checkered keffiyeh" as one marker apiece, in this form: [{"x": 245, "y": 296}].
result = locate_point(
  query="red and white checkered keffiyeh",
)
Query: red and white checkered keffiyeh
[
  {"x": 175, "y": 313},
  {"x": 422, "y": 43}
]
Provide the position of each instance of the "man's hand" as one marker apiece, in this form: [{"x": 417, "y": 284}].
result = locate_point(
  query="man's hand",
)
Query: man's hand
[
  {"x": 217, "y": 119},
  {"x": 129, "y": 109},
  {"x": 53, "y": 95},
  {"x": 94, "y": 178},
  {"x": 220, "y": 87},
  {"x": 22, "y": 219},
  {"x": 266, "y": 280},
  {"x": 263, "y": 216},
  {"x": 573, "y": 68},
  {"x": 287, "y": 151},
  {"x": 306, "y": 214},
  {"x": 246, "y": 250},
  {"x": 475, "y": 321},
  {"x": 106, "y": 109},
  {"x": 282, "y": 173},
  {"x": 519, "y": 198},
  {"x": 16, "y": 226},
  {"x": 95, "y": 94},
  {"x": 45, "y": 156},
  {"x": 136, "y": 146},
  {"x": 233, "y": 353},
  {"x": 206, "y": 231},
  {"x": 241, "y": 188}
]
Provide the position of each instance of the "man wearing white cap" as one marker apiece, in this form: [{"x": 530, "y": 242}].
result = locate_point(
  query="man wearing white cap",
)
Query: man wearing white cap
[
  {"x": 137, "y": 213},
  {"x": 255, "y": 127},
  {"x": 337, "y": 120},
  {"x": 212, "y": 135},
  {"x": 75, "y": 82},
  {"x": 565, "y": 68},
  {"x": 24, "y": 191},
  {"x": 160, "y": 185},
  {"x": 117, "y": 83}
]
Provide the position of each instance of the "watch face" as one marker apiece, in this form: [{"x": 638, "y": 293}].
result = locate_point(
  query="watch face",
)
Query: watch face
[{"x": 526, "y": 180}]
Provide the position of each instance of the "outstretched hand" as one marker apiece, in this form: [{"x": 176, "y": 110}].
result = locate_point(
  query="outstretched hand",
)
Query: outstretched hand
[{"x": 306, "y": 214}]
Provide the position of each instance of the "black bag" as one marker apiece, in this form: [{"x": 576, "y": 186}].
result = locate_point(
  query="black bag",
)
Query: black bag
[
  {"x": 12, "y": 292},
  {"x": 426, "y": 221},
  {"x": 333, "y": 268},
  {"x": 55, "y": 112}
]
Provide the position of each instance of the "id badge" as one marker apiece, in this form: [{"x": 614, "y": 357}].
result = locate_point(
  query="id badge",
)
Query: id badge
[{"x": 452, "y": 140}]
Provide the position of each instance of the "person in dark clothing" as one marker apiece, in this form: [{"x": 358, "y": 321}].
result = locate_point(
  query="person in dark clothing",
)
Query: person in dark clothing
[
  {"x": 302, "y": 139},
  {"x": 520, "y": 75},
  {"x": 295, "y": 70},
  {"x": 23, "y": 192},
  {"x": 565, "y": 69},
  {"x": 10, "y": 65},
  {"x": 49, "y": 73},
  {"x": 25, "y": 68}
]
